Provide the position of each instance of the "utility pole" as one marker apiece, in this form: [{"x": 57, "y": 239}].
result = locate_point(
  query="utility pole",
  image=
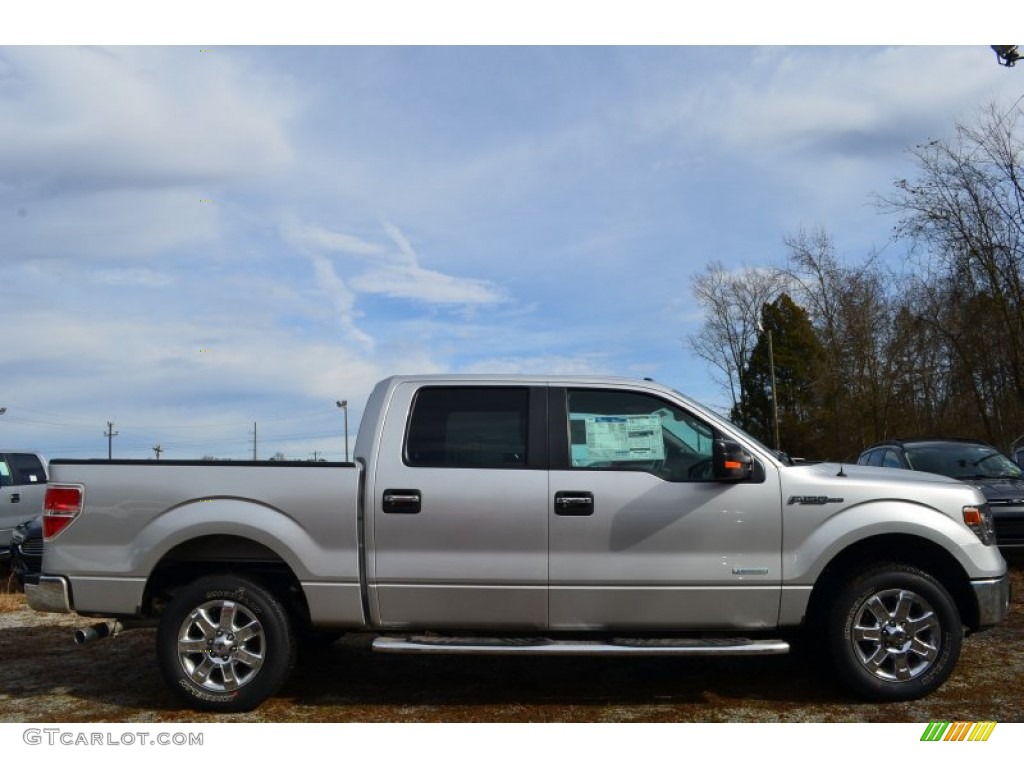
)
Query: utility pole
[
  {"x": 343, "y": 404},
  {"x": 254, "y": 441},
  {"x": 157, "y": 450},
  {"x": 110, "y": 434},
  {"x": 775, "y": 399}
]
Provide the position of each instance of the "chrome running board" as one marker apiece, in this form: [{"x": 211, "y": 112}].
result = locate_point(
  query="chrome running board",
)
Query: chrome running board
[{"x": 732, "y": 646}]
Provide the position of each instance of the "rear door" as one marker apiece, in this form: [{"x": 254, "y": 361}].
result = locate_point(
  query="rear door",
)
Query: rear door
[
  {"x": 460, "y": 506},
  {"x": 641, "y": 535}
]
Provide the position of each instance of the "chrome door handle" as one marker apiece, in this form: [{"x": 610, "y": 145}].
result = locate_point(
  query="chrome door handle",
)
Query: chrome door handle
[
  {"x": 402, "y": 501},
  {"x": 574, "y": 503}
]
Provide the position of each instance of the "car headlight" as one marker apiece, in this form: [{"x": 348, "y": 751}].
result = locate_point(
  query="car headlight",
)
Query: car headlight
[{"x": 979, "y": 519}]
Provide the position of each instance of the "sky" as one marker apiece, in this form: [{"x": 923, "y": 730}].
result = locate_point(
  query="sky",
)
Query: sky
[{"x": 198, "y": 236}]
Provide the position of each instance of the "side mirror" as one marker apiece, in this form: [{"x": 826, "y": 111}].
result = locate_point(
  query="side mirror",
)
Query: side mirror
[{"x": 731, "y": 463}]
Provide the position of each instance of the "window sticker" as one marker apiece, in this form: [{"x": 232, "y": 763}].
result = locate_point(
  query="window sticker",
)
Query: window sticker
[{"x": 620, "y": 438}]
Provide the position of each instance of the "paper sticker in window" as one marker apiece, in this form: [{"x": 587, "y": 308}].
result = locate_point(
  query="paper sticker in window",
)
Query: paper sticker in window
[{"x": 622, "y": 438}]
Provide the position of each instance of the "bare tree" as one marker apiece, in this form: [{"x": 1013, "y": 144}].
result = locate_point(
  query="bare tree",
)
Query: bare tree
[
  {"x": 732, "y": 301},
  {"x": 850, "y": 306},
  {"x": 964, "y": 214}
]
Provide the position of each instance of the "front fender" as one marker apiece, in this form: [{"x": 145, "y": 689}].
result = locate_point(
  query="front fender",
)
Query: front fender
[{"x": 809, "y": 546}]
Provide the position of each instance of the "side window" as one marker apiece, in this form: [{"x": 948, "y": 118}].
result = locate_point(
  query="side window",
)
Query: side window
[
  {"x": 874, "y": 458},
  {"x": 619, "y": 430},
  {"x": 26, "y": 469},
  {"x": 5, "y": 474},
  {"x": 468, "y": 427},
  {"x": 891, "y": 459}
]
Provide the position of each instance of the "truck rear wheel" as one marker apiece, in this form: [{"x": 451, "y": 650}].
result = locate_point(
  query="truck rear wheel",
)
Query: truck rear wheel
[
  {"x": 894, "y": 633},
  {"x": 225, "y": 644}
]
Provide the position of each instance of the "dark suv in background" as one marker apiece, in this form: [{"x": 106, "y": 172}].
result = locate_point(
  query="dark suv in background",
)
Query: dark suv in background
[{"x": 981, "y": 465}]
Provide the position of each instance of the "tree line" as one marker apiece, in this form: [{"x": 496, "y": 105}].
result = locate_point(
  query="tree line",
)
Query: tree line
[{"x": 860, "y": 352}]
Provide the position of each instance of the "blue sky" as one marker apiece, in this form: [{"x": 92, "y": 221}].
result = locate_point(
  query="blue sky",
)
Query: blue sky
[{"x": 197, "y": 237}]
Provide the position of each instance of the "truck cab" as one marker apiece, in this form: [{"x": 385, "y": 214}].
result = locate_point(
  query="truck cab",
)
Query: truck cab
[{"x": 22, "y": 488}]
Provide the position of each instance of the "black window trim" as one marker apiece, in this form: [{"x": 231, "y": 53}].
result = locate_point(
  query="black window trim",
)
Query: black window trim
[{"x": 536, "y": 425}]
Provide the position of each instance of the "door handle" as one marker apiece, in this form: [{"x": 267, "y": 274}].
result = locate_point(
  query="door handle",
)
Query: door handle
[
  {"x": 574, "y": 503},
  {"x": 15, "y": 498},
  {"x": 402, "y": 501}
]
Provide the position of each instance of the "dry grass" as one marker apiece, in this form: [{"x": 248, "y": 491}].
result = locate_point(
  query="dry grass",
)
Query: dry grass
[
  {"x": 11, "y": 597},
  {"x": 49, "y": 679}
]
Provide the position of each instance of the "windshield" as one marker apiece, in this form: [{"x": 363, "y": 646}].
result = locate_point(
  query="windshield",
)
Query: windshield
[{"x": 961, "y": 460}]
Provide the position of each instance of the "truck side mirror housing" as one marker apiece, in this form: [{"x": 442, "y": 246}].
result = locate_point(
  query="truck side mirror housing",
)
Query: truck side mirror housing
[{"x": 731, "y": 462}]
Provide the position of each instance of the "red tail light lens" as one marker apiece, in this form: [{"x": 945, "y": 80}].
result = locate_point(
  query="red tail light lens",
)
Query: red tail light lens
[{"x": 60, "y": 507}]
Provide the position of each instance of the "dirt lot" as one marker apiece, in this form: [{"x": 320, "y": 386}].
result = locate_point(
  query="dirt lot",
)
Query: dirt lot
[{"x": 46, "y": 678}]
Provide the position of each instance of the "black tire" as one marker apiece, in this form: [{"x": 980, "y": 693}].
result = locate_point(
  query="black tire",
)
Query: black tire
[
  {"x": 225, "y": 644},
  {"x": 894, "y": 633}
]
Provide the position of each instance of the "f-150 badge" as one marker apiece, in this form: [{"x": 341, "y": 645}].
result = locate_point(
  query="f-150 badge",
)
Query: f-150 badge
[{"x": 814, "y": 500}]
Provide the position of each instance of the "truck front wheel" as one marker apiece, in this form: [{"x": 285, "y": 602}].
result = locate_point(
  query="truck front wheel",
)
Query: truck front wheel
[
  {"x": 225, "y": 644},
  {"x": 894, "y": 633}
]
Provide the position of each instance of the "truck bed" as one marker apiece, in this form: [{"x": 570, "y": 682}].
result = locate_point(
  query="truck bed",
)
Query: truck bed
[{"x": 304, "y": 514}]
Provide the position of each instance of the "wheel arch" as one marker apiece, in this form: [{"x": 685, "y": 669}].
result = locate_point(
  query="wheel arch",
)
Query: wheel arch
[
  {"x": 898, "y": 548},
  {"x": 211, "y": 554}
]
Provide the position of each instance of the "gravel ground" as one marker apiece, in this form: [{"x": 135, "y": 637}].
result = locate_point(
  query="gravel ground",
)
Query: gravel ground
[{"x": 46, "y": 678}]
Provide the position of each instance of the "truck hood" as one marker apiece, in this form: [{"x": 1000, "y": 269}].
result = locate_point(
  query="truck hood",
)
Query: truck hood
[{"x": 839, "y": 486}]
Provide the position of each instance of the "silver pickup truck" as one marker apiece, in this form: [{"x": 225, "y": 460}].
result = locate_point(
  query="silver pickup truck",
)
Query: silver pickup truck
[{"x": 524, "y": 515}]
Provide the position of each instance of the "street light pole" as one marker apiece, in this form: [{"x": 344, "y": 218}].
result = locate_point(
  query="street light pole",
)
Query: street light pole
[{"x": 343, "y": 404}]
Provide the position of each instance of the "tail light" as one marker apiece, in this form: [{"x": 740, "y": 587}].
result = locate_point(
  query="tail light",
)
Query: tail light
[{"x": 61, "y": 506}]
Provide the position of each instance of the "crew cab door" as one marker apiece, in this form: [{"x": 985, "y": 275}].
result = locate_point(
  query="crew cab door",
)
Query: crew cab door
[
  {"x": 641, "y": 535},
  {"x": 460, "y": 506}
]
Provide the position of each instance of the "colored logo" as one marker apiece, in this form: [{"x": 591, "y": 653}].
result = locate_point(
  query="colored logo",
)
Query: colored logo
[{"x": 945, "y": 731}]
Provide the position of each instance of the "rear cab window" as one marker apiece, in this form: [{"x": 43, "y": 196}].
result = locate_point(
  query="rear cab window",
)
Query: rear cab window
[
  {"x": 482, "y": 427},
  {"x": 26, "y": 468},
  {"x": 21, "y": 469}
]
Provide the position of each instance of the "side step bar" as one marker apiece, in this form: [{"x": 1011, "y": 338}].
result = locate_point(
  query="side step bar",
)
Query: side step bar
[{"x": 732, "y": 646}]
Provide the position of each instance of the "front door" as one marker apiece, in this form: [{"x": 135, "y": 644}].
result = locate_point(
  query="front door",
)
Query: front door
[{"x": 641, "y": 535}]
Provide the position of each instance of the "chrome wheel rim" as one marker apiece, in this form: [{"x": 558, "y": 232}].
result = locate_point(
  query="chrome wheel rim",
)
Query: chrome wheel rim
[
  {"x": 221, "y": 646},
  {"x": 896, "y": 635}
]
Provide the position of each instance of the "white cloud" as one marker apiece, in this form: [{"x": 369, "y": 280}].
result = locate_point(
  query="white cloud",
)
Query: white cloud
[
  {"x": 111, "y": 224},
  {"x": 138, "y": 116},
  {"x": 383, "y": 270},
  {"x": 195, "y": 384},
  {"x": 148, "y": 278},
  {"x": 404, "y": 278},
  {"x": 340, "y": 297},
  {"x": 414, "y": 282},
  {"x": 838, "y": 99},
  {"x": 554, "y": 365},
  {"x": 313, "y": 237}
]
